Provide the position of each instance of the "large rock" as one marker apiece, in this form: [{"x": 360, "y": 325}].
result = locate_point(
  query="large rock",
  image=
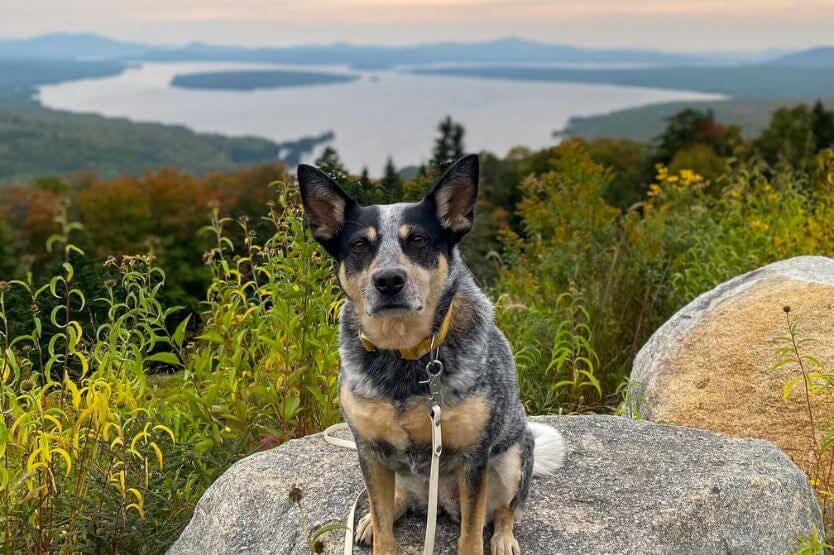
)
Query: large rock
[
  {"x": 711, "y": 365},
  {"x": 628, "y": 486}
]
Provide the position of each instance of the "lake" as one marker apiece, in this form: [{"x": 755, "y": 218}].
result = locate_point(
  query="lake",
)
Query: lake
[{"x": 383, "y": 113}]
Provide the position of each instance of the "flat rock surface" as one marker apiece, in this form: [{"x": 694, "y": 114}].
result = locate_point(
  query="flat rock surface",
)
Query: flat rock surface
[
  {"x": 711, "y": 365},
  {"x": 628, "y": 486}
]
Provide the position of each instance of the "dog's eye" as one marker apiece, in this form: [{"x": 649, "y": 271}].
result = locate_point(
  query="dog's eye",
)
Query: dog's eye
[
  {"x": 418, "y": 240},
  {"x": 358, "y": 247}
]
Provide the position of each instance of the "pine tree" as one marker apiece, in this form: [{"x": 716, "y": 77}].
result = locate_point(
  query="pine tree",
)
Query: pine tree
[
  {"x": 392, "y": 183},
  {"x": 823, "y": 126},
  {"x": 448, "y": 147},
  {"x": 330, "y": 163},
  {"x": 369, "y": 192},
  {"x": 365, "y": 179}
]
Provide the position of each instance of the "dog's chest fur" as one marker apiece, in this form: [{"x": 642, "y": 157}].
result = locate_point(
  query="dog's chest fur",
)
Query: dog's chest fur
[{"x": 401, "y": 431}]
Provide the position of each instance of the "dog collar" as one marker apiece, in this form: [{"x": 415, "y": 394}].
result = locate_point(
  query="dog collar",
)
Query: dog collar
[{"x": 422, "y": 348}]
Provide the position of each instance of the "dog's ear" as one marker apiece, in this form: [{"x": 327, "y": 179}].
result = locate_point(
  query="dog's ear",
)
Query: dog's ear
[
  {"x": 455, "y": 195},
  {"x": 324, "y": 203}
]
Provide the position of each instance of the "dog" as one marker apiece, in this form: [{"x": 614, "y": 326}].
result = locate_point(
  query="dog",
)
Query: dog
[{"x": 407, "y": 287}]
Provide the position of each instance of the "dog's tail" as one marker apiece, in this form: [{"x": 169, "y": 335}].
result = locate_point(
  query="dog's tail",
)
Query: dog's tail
[{"x": 549, "y": 452}]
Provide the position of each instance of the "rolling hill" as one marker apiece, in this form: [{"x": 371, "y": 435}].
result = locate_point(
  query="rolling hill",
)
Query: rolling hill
[
  {"x": 741, "y": 81},
  {"x": 20, "y": 77},
  {"x": 85, "y": 46},
  {"x": 816, "y": 57},
  {"x": 648, "y": 122}
]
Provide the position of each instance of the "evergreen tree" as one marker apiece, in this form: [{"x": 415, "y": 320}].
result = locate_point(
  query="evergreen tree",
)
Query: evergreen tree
[
  {"x": 330, "y": 163},
  {"x": 448, "y": 147},
  {"x": 365, "y": 179},
  {"x": 392, "y": 184},
  {"x": 369, "y": 192},
  {"x": 823, "y": 126},
  {"x": 789, "y": 138}
]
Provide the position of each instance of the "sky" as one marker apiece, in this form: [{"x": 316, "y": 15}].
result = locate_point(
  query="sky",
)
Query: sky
[{"x": 673, "y": 25}]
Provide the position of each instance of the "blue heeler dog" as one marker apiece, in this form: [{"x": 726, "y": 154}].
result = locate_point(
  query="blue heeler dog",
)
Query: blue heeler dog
[{"x": 405, "y": 283}]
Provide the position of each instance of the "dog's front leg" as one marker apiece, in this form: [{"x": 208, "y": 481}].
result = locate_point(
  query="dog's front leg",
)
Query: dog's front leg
[
  {"x": 380, "y": 483},
  {"x": 472, "y": 486}
]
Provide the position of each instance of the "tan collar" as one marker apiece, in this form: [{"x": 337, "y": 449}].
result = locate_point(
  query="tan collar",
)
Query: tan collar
[{"x": 423, "y": 347}]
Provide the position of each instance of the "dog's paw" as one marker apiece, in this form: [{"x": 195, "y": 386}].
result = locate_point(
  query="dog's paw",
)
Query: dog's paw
[
  {"x": 504, "y": 544},
  {"x": 364, "y": 532}
]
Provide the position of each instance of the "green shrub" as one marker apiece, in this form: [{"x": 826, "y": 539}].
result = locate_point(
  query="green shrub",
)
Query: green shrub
[
  {"x": 80, "y": 442},
  {"x": 629, "y": 272},
  {"x": 95, "y": 454}
]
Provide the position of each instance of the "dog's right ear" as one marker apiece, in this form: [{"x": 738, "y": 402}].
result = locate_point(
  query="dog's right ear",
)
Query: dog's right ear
[
  {"x": 324, "y": 203},
  {"x": 455, "y": 195}
]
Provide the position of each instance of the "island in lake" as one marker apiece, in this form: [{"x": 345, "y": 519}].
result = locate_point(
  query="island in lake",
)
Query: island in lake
[{"x": 249, "y": 80}]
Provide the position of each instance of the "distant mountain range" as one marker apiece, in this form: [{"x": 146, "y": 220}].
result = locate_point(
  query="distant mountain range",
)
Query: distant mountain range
[
  {"x": 816, "y": 57},
  {"x": 71, "y": 46},
  {"x": 511, "y": 50},
  {"x": 501, "y": 51}
]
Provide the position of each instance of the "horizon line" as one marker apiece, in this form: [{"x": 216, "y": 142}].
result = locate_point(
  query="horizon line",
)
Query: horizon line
[{"x": 496, "y": 39}]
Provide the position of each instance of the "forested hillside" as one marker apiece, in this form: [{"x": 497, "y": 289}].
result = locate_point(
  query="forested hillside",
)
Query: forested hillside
[
  {"x": 40, "y": 142},
  {"x": 19, "y": 77},
  {"x": 738, "y": 81},
  {"x": 643, "y": 124}
]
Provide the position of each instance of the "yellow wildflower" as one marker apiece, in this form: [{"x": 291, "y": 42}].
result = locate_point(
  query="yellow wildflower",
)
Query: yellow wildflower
[
  {"x": 758, "y": 225},
  {"x": 689, "y": 177},
  {"x": 662, "y": 172}
]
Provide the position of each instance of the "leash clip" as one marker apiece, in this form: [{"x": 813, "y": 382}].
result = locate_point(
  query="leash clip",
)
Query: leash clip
[{"x": 434, "y": 369}]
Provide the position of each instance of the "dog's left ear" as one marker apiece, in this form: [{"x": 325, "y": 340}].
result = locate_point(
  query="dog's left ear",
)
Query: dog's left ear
[
  {"x": 455, "y": 195},
  {"x": 325, "y": 204}
]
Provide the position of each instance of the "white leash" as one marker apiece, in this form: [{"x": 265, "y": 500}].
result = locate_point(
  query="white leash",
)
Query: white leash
[
  {"x": 434, "y": 479},
  {"x": 434, "y": 369}
]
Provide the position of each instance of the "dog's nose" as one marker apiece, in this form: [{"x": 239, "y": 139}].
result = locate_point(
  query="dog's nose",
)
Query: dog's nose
[{"x": 389, "y": 281}]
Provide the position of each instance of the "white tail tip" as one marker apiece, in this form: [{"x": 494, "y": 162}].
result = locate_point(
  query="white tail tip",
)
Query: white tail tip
[{"x": 549, "y": 452}]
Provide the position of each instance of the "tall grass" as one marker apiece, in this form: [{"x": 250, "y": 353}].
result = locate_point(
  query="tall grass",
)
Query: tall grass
[
  {"x": 80, "y": 445},
  {"x": 102, "y": 447}
]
